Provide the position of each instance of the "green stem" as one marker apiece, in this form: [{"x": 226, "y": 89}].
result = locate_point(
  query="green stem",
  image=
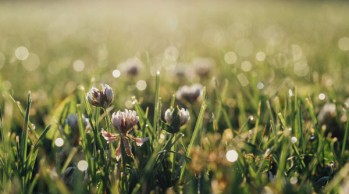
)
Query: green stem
[{"x": 195, "y": 133}]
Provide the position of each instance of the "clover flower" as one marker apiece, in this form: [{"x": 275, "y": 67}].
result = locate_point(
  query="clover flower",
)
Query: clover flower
[
  {"x": 123, "y": 121},
  {"x": 73, "y": 121},
  {"x": 176, "y": 118},
  {"x": 189, "y": 93},
  {"x": 101, "y": 98},
  {"x": 182, "y": 114},
  {"x": 131, "y": 66},
  {"x": 327, "y": 118},
  {"x": 203, "y": 66}
]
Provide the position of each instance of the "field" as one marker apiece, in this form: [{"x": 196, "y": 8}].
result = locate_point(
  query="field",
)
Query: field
[{"x": 175, "y": 97}]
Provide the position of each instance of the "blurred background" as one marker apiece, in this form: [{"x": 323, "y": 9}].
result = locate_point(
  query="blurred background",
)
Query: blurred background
[{"x": 52, "y": 48}]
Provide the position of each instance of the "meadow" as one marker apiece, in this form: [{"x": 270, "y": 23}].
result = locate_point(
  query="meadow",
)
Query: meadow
[{"x": 175, "y": 97}]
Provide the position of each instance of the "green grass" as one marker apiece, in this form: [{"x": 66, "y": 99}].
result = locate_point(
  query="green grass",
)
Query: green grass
[{"x": 275, "y": 66}]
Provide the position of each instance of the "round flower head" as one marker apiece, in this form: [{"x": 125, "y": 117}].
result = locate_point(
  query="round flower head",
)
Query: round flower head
[
  {"x": 203, "y": 66},
  {"x": 189, "y": 93},
  {"x": 131, "y": 66},
  {"x": 124, "y": 120},
  {"x": 176, "y": 118},
  {"x": 73, "y": 121},
  {"x": 101, "y": 98}
]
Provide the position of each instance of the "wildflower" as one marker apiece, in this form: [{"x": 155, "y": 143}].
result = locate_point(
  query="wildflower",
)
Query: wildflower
[
  {"x": 176, "y": 118},
  {"x": 202, "y": 66},
  {"x": 180, "y": 72},
  {"x": 101, "y": 98},
  {"x": 73, "y": 122},
  {"x": 131, "y": 66},
  {"x": 327, "y": 119},
  {"x": 189, "y": 93},
  {"x": 123, "y": 121}
]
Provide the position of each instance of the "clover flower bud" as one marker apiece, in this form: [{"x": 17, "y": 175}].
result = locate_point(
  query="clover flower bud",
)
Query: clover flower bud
[
  {"x": 131, "y": 66},
  {"x": 100, "y": 98},
  {"x": 189, "y": 93},
  {"x": 203, "y": 66},
  {"x": 176, "y": 118},
  {"x": 73, "y": 121}
]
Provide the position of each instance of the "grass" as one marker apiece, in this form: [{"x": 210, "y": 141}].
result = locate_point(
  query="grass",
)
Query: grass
[{"x": 271, "y": 115}]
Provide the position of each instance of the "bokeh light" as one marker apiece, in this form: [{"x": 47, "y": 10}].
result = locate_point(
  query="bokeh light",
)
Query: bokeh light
[
  {"x": 116, "y": 73},
  {"x": 78, "y": 65},
  {"x": 232, "y": 156},
  {"x": 141, "y": 85},
  {"x": 32, "y": 62},
  {"x": 82, "y": 165},
  {"x": 230, "y": 57},
  {"x": 246, "y": 66},
  {"x": 59, "y": 142},
  {"x": 260, "y": 56},
  {"x": 322, "y": 96},
  {"x": 343, "y": 43},
  {"x": 22, "y": 53}
]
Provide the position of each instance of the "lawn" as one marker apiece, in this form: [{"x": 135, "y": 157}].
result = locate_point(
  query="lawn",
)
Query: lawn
[{"x": 174, "y": 97}]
